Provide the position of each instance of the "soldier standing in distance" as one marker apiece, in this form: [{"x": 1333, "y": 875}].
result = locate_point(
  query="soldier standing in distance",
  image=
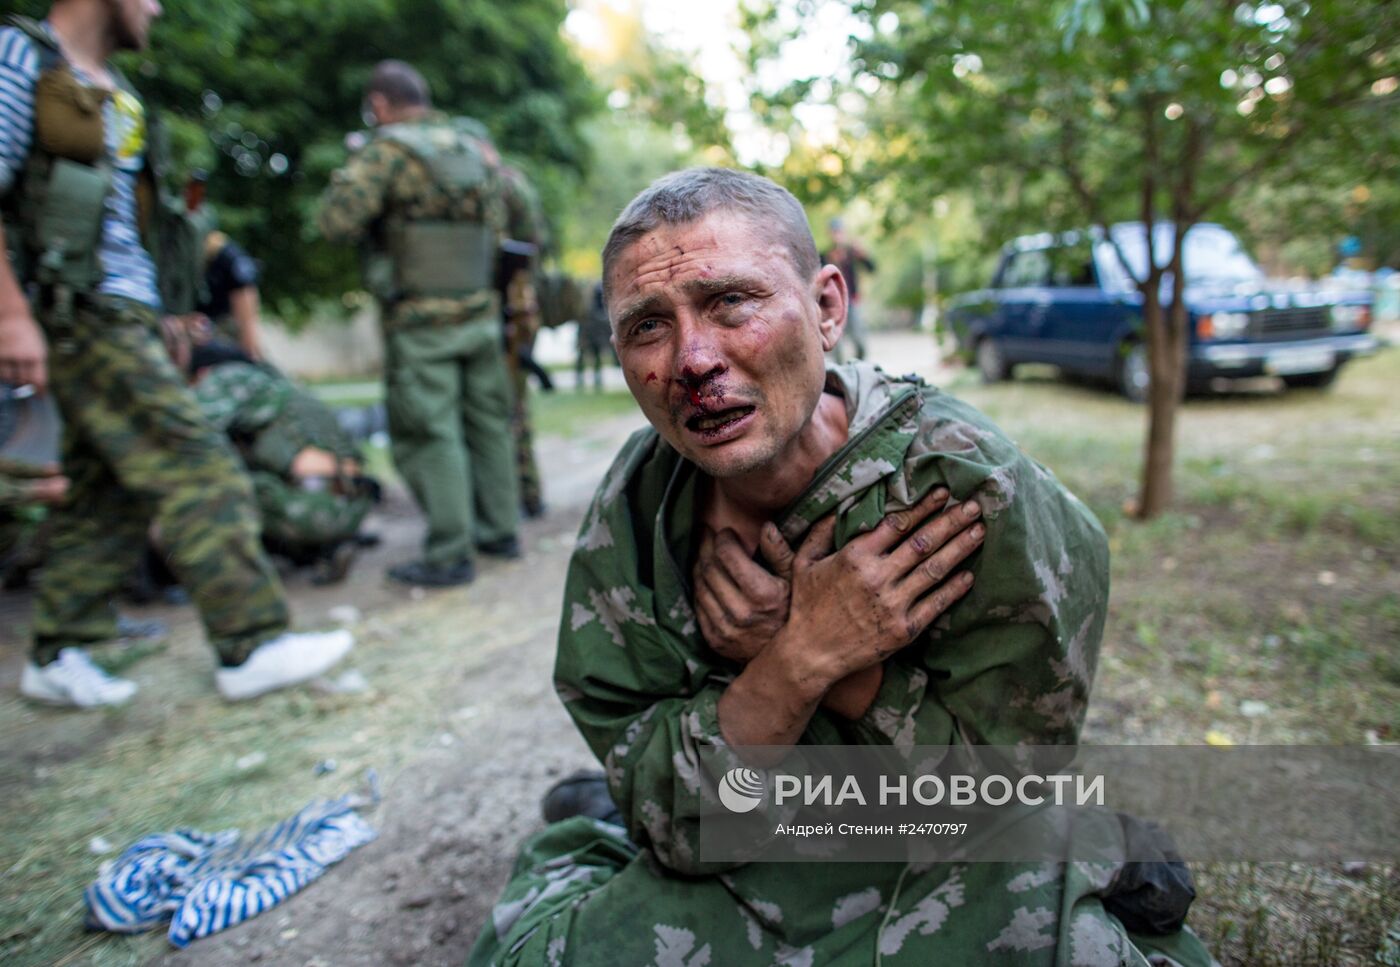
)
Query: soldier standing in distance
[
  {"x": 522, "y": 324},
  {"x": 81, "y": 201},
  {"x": 428, "y": 199},
  {"x": 847, "y": 255}
]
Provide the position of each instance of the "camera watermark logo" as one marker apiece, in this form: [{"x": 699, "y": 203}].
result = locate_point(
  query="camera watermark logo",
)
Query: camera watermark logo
[{"x": 741, "y": 790}]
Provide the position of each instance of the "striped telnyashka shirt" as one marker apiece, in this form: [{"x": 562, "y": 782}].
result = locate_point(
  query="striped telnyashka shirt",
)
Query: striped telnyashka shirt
[{"x": 127, "y": 270}]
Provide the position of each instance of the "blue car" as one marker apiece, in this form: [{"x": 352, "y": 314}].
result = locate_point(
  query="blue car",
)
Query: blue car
[{"x": 1066, "y": 300}]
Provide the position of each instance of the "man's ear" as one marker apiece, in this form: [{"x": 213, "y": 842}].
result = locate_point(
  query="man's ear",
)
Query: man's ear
[
  {"x": 379, "y": 106},
  {"x": 832, "y": 302}
]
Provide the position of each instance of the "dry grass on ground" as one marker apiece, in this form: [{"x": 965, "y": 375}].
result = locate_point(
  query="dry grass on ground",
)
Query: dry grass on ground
[{"x": 1274, "y": 580}]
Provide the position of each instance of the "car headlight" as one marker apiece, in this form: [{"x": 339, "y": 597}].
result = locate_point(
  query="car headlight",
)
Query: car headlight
[
  {"x": 1348, "y": 318},
  {"x": 1223, "y": 325}
]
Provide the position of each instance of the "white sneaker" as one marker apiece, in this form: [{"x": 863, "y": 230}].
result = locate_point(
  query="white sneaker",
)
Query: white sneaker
[
  {"x": 288, "y": 659},
  {"x": 73, "y": 680}
]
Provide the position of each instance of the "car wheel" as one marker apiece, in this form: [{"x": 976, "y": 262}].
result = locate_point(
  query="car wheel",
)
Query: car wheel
[
  {"x": 1134, "y": 377},
  {"x": 990, "y": 361},
  {"x": 1312, "y": 380}
]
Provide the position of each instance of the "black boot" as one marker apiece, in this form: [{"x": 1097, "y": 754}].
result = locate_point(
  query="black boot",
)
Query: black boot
[
  {"x": 427, "y": 575},
  {"x": 582, "y": 794},
  {"x": 506, "y": 547}
]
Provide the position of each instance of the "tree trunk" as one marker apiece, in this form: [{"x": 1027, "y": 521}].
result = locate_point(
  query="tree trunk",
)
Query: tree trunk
[
  {"x": 1168, "y": 338},
  {"x": 1162, "y": 398}
]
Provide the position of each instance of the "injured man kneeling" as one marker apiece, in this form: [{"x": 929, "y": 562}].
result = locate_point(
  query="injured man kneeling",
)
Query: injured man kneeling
[{"x": 796, "y": 554}]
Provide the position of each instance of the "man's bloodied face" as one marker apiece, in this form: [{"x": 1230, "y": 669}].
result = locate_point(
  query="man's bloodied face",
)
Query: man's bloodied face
[{"x": 720, "y": 339}]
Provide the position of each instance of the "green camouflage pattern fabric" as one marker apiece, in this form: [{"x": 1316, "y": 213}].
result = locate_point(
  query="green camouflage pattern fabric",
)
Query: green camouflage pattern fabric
[
  {"x": 15, "y": 486},
  {"x": 527, "y": 469},
  {"x": 271, "y": 419},
  {"x": 138, "y": 451},
  {"x": 384, "y": 177},
  {"x": 526, "y": 223},
  {"x": 1010, "y": 664},
  {"x": 23, "y": 526},
  {"x": 446, "y": 391}
]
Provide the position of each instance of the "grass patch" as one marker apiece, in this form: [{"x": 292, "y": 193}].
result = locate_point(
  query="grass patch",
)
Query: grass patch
[
  {"x": 184, "y": 758},
  {"x": 567, "y": 413},
  {"x": 1273, "y": 580},
  {"x": 343, "y": 392}
]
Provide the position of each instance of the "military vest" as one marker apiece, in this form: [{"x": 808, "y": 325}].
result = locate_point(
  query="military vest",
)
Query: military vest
[
  {"x": 59, "y": 201},
  {"x": 437, "y": 257}
]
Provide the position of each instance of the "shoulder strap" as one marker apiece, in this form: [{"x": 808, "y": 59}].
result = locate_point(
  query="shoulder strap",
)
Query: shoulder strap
[
  {"x": 454, "y": 156},
  {"x": 45, "y": 46}
]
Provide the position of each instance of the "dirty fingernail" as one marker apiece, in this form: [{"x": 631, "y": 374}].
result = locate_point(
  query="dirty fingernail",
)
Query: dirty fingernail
[
  {"x": 977, "y": 532},
  {"x": 971, "y": 508}
]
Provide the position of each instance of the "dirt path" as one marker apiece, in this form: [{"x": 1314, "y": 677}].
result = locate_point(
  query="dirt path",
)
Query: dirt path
[
  {"x": 450, "y": 823},
  {"x": 452, "y": 818}
]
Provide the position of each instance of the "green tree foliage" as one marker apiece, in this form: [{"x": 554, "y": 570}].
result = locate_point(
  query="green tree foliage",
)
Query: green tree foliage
[
  {"x": 262, "y": 92},
  {"x": 1090, "y": 111},
  {"x": 631, "y": 153}
]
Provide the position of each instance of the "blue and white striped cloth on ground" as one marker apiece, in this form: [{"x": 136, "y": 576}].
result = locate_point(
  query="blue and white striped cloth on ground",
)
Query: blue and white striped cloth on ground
[{"x": 205, "y": 882}]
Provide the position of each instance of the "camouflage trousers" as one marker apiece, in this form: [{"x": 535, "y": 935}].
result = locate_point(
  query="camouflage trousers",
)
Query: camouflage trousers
[
  {"x": 23, "y": 535},
  {"x": 138, "y": 452},
  {"x": 581, "y": 894},
  {"x": 531, "y": 490},
  {"x": 303, "y": 521}
]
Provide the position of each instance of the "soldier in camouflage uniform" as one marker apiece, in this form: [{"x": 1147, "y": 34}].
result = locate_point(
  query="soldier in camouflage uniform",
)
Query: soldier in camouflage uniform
[
  {"x": 522, "y": 321},
  {"x": 427, "y": 199},
  {"x": 305, "y": 469},
  {"x": 80, "y": 167},
  {"x": 722, "y": 313}
]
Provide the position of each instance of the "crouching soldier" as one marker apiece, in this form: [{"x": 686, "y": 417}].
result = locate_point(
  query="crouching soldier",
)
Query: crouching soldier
[{"x": 311, "y": 492}]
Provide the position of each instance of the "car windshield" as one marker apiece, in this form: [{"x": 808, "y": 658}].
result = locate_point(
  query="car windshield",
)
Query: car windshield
[{"x": 1213, "y": 256}]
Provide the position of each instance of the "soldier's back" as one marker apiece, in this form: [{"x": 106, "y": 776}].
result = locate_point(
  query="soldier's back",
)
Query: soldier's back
[{"x": 445, "y": 169}]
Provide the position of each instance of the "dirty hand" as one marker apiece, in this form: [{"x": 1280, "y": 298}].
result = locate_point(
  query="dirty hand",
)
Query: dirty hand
[
  {"x": 741, "y": 606},
  {"x": 23, "y": 353},
  {"x": 854, "y": 608}
]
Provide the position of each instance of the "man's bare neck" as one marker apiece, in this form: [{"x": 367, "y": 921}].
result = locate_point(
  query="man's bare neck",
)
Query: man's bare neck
[
  {"x": 405, "y": 115},
  {"x": 86, "y": 38},
  {"x": 85, "y": 35},
  {"x": 745, "y": 503}
]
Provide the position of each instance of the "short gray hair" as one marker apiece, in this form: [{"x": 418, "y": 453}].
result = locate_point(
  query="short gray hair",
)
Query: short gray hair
[{"x": 683, "y": 197}]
